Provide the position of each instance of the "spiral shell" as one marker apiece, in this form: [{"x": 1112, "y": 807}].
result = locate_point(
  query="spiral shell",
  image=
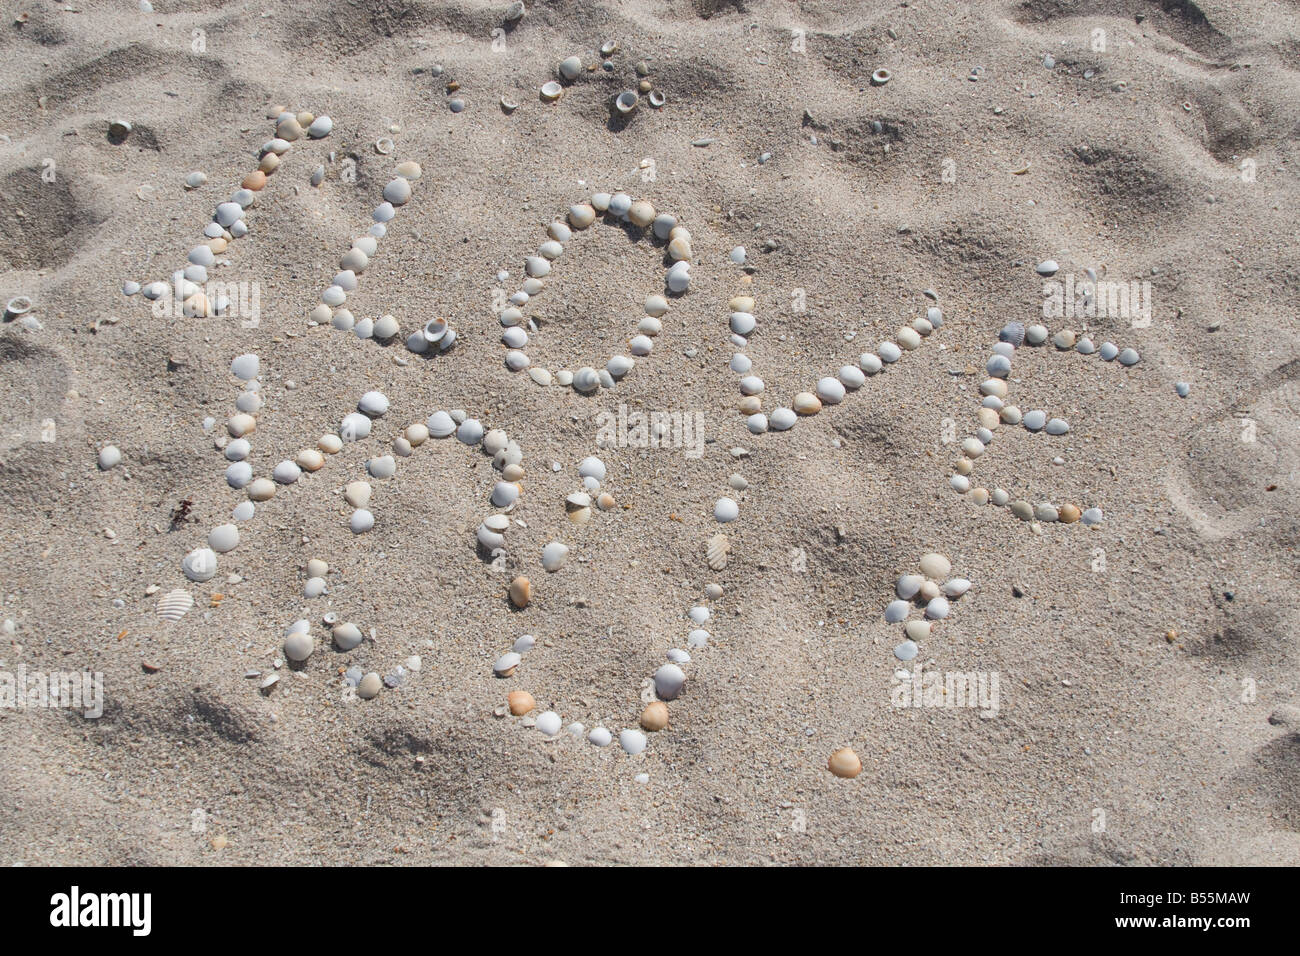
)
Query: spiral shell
[{"x": 173, "y": 605}]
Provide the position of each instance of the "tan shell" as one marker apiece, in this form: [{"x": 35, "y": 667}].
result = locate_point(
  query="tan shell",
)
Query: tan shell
[
  {"x": 520, "y": 701},
  {"x": 655, "y": 716},
  {"x": 173, "y": 605},
  {"x": 716, "y": 551},
  {"x": 844, "y": 763},
  {"x": 521, "y": 591}
]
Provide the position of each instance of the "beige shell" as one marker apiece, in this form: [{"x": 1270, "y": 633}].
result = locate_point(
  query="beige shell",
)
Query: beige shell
[
  {"x": 716, "y": 551},
  {"x": 173, "y": 605}
]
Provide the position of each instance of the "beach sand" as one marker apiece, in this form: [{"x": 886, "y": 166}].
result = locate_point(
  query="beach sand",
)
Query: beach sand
[{"x": 1137, "y": 671}]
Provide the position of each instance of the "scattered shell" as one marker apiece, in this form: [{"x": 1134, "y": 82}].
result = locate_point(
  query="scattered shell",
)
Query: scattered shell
[
  {"x": 935, "y": 566},
  {"x": 520, "y": 702},
  {"x": 549, "y": 723},
  {"x": 1048, "y": 267},
  {"x": 370, "y": 686},
  {"x": 521, "y": 591},
  {"x": 632, "y": 741},
  {"x": 109, "y": 457},
  {"x": 200, "y": 564},
  {"x": 716, "y": 551},
  {"x": 570, "y": 67},
  {"x": 669, "y": 680},
  {"x": 551, "y": 91},
  {"x": 173, "y": 605},
  {"x": 655, "y": 716},
  {"x": 844, "y": 762},
  {"x": 298, "y": 646},
  {"x": 626, "y": 101},
  {"x": 347, "y": 636}
]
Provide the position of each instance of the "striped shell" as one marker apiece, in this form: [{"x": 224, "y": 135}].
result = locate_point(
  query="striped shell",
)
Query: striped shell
[
  {"x": 1013, "y": 332},
  {"x": 173, "y": 605},
  {"x": 716, "y": 551}
]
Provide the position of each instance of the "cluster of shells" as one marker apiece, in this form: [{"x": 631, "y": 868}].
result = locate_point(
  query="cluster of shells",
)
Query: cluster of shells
[
  {"x": 228, "y": 223},
  {"x": 617, "y": 207},
  {"x": 931, "y": 592}
]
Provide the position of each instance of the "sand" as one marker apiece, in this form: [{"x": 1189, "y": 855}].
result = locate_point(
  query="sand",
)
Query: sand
[{"x": 1137, "y": 671}]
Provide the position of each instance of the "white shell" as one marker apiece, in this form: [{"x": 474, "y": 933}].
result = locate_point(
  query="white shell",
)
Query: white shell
[
  {"x": 373, "y": 404},
  {"x": 549, "y": 723},
  {"x": 956, "y": 587},
  {"x": 223, "y": 538},
  {"x": 669, "y": 680},
  {"x": 726, "y": 510},
  {"x": 554, "y": 554},
  {"x": 200, "y": 564},
  {"x": 632, "y": 741},
  {"x": 506, "y": 663},
  {"x": 716, "y": 551},
  {"x": 173, "y": 605}
]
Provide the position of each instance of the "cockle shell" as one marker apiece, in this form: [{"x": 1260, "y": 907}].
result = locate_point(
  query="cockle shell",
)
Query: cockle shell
[
  {"x": 173, "y": 605},
  {"x": 716, "y": 551}
]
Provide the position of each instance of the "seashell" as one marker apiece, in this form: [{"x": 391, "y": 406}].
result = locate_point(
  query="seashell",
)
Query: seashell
[
  {"x": 570, "y": 67},
  {"x": 347, "y": 636},
  {"x": 385, "y": 466},
  {"x": 657, "y": 99},
  {"x": 586, "y": 380},
  {"x": 742, "y": 323},
  {"x": 200, "y": 565},
  {"x": 669, "y": 680},
  {"x": 844, "y": 762},
  {"x": 782, "y": 419},
  {"x": 906, "y": 651},
  {"x": 369, "y": 686},
  {"x": 679, "y": 277},
  {"x": 619, "y": 204},
  {"x": 361, "y": 521},
  {"x": 195, "y": 179},
  {"x": 641, "y": 213},
  {"x": 223, "y": 538},
  {"x": 109, "y": 457},
  {"x": 398, "y": 191},
  {"x": 830, "y": 390},
  {"x": 313, "y": 587},
  {"x": 897, "y": 611},
  {"x": 626, "y": 101},
  {"x": 298, "y": 646},
  {"x": 1048, "y": 267},
  {"x": 505, "y": 664},
  {"x": 640, "y": 345},
  {"x": 521, "y": 591},
  {"x": 1068, "y": 514},
  {"x": 908, "y": 338},
  {"x": 880, "y": 78},
  {"x": 309, "y": 459},
  {"x": 554, "y": 555},
  {"x": 551, "y": 91},
  {"x": 1036, "y": 334},
  {"x": 725, "y": 510},
  {"x": 286, "y": 472},
  {"x": 520, "y": 702},
  {"x": 889, "y": 352},
  {"x": 549, "y": 723},
  {"x": 239, "y": 474},
  {"x": 956, "y": 587},
  {"x": 633, "y": 742},
  {"x": 851, "y": 376},
  {"x": 173, "y": 605},
  {"x": 1128, "y": 357},
  {"x": 806, "y": 403},
  {"x": 656, "y": 305},
  {"x": 330, "y": 444},
  {"x": 716, "y": 551},
  {"x": 655, "y": 716},
  {"x": 261, "y": 489},
  {"x": 935, "y": 566}
]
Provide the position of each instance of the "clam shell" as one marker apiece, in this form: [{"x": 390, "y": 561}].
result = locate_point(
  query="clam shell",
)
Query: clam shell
[
  {"x": 716, "y": 551},
  {"x": 173, "y": 605},
  {"x": 626, "y": 101}
]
